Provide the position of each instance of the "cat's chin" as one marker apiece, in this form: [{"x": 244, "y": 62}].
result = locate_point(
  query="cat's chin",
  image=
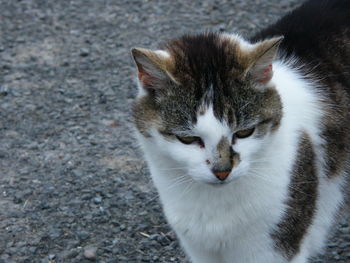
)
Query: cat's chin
[{"x": 218, "y": 183}]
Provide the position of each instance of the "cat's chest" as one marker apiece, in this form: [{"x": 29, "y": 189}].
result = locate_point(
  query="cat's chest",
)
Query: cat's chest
[{"x": 238, "y": 213}]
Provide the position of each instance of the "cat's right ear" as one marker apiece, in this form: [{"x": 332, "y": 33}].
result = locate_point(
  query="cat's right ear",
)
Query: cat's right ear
[
  {"x": 152, "y": 67},
  {"x": 262, "y": 58}
]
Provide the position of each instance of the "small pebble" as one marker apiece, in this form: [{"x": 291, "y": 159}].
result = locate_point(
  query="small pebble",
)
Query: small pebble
[
  {"x": 84, "y": 52},
  {"x": 33, "y": 250},
  {"x": 83, "y": 235},
  {"x": 97, "y": 200},
  {"x": 90, "y": 252},
  {"x": 78, "y": 172},
  {"x": 69, "y": 254}
]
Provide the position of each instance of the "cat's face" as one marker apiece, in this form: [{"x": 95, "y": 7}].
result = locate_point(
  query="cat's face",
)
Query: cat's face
[{"x": 208, "y": 104}]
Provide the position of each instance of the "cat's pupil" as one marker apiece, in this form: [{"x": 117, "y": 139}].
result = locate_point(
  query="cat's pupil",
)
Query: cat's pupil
[
  {"x": 234, "y": 139},
  {"x": 191, "y": 140}
]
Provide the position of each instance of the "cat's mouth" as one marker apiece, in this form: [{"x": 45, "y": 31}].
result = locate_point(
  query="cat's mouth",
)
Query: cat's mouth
[
  {"x": 219, "y": 183},
  {"x": 215, "y": 182}
]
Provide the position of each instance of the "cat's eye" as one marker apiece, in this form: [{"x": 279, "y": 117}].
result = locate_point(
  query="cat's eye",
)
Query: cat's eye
[
  {"x": 244, "y": 133},
  {"x": 191, "y": 140}
]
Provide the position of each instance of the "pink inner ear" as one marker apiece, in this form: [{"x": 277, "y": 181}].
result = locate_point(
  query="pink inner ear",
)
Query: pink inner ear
[
  {"x": 266, "y": 74},
  {"x": 144, "y": 77}
]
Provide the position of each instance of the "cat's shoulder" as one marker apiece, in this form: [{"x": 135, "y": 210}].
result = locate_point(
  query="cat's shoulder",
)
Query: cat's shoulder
[{"x": 312, "y": 24}]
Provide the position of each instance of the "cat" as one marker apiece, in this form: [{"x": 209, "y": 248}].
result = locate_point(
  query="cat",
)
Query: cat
[{"x": 248, "y": 140}]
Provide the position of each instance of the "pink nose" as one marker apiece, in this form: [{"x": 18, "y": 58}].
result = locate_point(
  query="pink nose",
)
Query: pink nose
[{"x": 222, "y": 175}]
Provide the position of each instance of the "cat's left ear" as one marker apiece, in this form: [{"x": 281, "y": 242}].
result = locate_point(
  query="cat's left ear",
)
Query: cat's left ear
[
  {"x": 263, "y": 54},
  {"x": 153, "y": 67}
]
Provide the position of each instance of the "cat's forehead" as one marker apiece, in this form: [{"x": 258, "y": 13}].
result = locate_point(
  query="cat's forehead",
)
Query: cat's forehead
[
  {"x": 212, "y": 109},
  {"x": 208, "y": 57},
  {"x": 209, "y": 68},
  {"x": 210, "y": 127}
]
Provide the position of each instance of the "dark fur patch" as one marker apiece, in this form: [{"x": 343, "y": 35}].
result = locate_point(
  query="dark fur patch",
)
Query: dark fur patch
[
  {"x": 336, "y": 131},
  {"x": 225, "y": 157},
  {"x": 301, "y": 202},
  {"x": 145, "y": 115},
  {"x": 208, "y": 69},
  {"x": 318, "y": 34}
]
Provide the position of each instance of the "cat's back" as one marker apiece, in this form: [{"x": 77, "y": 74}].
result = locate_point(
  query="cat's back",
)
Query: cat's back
[{"x": 318, "y": 35}]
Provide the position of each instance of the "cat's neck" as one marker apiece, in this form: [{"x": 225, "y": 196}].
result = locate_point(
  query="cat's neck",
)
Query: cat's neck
[{"x": 302, "y": 104}]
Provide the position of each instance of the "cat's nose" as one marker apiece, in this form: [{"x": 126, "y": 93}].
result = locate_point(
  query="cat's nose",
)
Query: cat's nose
[{"x": 221, "y": 175}]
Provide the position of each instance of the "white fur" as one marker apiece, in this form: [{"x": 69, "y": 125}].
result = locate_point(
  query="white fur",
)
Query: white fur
[{"x": 232, "y": 222}]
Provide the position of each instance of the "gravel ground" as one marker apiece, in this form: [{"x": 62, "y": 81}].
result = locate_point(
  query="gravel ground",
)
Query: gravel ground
[{"x": 73, "y": 185}]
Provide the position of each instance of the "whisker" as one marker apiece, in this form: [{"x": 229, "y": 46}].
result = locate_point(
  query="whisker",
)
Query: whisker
[
  {"x": 179, "y": 181},
  {"x": 187, "y": 189}
]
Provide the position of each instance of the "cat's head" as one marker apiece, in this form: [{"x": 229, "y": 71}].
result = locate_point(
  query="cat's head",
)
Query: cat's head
[{"x": 207, "y": 102}]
